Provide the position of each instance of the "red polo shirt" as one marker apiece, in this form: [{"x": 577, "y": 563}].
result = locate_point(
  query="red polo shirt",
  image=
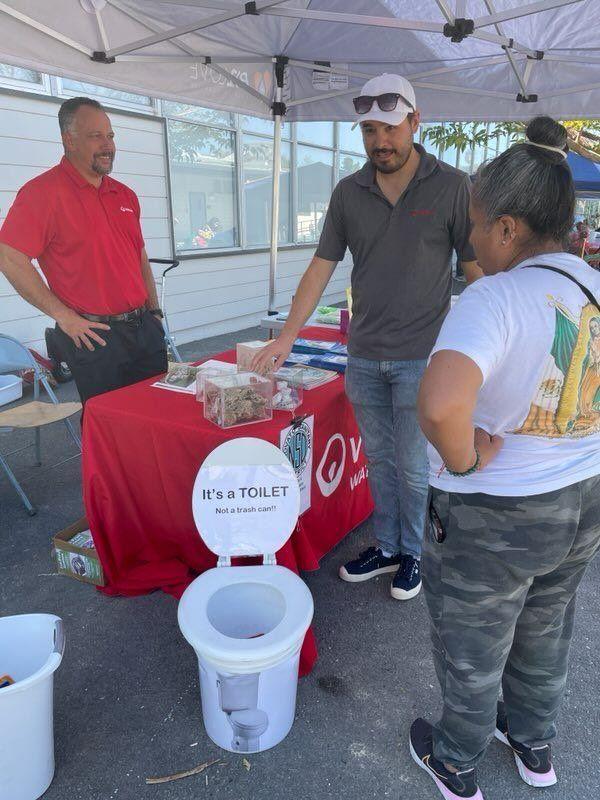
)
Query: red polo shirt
[{"x": 87, "y": 241}]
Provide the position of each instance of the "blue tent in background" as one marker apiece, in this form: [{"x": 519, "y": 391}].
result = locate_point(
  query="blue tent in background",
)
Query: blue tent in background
[{"x": 586, "y": 174}]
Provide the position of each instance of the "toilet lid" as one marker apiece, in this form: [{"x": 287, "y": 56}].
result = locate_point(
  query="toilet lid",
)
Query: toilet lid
[{"x": 246, "y": 498}]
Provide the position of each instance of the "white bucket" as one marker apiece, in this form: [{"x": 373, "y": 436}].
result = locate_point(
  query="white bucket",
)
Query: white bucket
[
  {"x": 250, "y": 712},
  {"x": 31, "y": 649},
  {"x": 248, "y": 648}
]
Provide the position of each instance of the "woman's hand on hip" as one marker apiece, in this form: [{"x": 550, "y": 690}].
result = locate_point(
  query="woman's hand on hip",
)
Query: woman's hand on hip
[{"x": 487, "y": 446}]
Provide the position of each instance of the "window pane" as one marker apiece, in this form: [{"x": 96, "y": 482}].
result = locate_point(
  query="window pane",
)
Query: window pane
[
  {"x": 464, "y": 160},
  {"x": 202, "y": 186},
  {"x": 197, "y": 113},
  {"x": 315, "y": 133},
  {"x": 257, "y": 154},
  {"x": 79, "y": 88},
  {"x": 20, "y": 74},
  {"x": 350, "y": 139},
  {"x": 479, "y": 156},
  {"x": 449, "y": 156},
  {"x": 349, "y": 164},
  {"x": 257, "y": 125},
  {"x": 314, "y": 175}
]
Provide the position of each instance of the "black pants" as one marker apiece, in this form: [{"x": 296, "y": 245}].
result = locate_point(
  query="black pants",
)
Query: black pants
[{"x": 134, "y": 351}]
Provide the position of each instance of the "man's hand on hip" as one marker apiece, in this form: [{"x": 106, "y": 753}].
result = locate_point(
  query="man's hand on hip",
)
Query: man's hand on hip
[
  {"x": 81, "y": 330},
  {"x": 273, "y": 356}
]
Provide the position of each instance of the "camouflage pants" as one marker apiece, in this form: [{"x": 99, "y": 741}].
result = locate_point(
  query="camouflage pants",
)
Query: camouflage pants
[{"x": 501, "y": 595}]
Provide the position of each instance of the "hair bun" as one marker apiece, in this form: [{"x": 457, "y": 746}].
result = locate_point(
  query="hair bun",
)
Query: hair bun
[{"x": 546, "y": 131}]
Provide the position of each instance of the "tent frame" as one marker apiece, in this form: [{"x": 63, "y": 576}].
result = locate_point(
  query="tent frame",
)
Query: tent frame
[{"x": 457, "y": 27}]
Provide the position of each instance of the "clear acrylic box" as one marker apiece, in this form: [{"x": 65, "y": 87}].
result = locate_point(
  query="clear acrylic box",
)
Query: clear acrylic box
[
  {"x": 287, "y": 393},
  {"x": 231, "y": 400}
]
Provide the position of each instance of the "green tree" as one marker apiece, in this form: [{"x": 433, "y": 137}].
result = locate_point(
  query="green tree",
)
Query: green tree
[{"x": 584, "y": 135}]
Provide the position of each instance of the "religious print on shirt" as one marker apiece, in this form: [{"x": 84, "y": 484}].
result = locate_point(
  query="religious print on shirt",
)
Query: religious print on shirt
[{"x": 567, "y": 401}]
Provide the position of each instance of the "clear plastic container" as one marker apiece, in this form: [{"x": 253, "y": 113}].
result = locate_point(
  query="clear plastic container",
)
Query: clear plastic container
[
  {"x": 287, "y": 394},
  {"x": 232, "y": 400}
]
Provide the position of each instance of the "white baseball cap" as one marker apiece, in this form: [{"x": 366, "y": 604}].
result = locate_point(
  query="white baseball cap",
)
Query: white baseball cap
[{"x": 388, "y": 84}]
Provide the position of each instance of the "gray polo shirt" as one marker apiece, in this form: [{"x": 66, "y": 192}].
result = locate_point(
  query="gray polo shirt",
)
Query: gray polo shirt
[{"x": 401, "y": 278}]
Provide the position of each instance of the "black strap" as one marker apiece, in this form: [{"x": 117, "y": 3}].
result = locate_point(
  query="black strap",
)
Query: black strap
[{"x": 583, "y": 288}]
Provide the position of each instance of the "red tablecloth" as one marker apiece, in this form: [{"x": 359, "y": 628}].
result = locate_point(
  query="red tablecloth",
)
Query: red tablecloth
[{"x": 142, "y": 448}]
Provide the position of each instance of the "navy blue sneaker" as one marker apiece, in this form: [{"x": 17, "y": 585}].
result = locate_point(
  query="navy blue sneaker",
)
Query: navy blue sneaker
[
  {"x": 369, "y": 564},
  {"x": 407, "y": 580},
  {"x": 461, "y": 785},
  {"x": 534, "y": 763}
]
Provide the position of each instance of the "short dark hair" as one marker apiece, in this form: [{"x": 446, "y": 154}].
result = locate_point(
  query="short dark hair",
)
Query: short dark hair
[
  {"x": 531, "y": 183},
  {"x": 70, "y": 107}
]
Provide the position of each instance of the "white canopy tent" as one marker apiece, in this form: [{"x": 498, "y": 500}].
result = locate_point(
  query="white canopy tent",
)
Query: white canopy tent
[{"x": 468, "y": 59}]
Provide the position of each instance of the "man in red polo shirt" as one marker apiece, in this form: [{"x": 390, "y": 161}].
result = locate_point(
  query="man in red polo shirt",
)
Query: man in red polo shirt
[{"x": 83, "y": 227}]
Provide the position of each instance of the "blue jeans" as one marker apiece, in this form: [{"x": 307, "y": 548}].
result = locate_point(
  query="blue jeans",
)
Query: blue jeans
[{"x": 384, "y": 397}]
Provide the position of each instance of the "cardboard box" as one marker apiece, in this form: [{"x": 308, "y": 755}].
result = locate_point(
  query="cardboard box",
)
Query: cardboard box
[{"x": 76, "y": 561}]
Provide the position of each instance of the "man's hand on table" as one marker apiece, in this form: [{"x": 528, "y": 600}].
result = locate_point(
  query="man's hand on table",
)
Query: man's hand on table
[
  {"x": 273, "y": 356},
  {"x": 81, "y": 330}
]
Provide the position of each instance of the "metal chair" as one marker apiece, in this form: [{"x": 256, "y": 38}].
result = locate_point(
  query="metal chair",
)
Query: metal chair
[{"x": 15, "y": 357}]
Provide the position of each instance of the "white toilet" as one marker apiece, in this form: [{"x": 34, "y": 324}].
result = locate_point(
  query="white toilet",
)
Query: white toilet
[{"x": 246, "y": 623}]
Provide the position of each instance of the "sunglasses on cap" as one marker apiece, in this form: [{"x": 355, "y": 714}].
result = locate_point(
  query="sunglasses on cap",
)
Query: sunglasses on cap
[{"x": 386, "y": 102}]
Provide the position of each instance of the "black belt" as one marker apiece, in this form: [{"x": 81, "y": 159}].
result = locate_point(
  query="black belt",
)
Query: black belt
[{"x": 128, "y": 316}]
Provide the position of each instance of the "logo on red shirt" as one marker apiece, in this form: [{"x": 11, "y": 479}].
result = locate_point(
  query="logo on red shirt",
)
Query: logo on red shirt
[{"x": 124, "y": 208}]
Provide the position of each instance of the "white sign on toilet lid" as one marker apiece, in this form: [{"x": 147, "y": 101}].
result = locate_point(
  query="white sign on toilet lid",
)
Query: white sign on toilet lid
[{"x": 246, "y": 498}]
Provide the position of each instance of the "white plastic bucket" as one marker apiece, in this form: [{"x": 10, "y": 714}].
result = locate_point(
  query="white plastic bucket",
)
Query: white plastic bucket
[
  {"x": 31, "y": 649},
  {"x": 248, "y": 643}
]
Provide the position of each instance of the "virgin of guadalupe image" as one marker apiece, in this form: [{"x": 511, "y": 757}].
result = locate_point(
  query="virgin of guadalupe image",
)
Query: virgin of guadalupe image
[{"x": 567, "y": 402}]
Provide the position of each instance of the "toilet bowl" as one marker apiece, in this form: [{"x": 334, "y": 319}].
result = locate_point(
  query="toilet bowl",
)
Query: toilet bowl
[{"x": 246, "y": 623}]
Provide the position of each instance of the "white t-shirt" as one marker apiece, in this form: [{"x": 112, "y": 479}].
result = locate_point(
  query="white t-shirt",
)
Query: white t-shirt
[{"x": 536, "y": 339}]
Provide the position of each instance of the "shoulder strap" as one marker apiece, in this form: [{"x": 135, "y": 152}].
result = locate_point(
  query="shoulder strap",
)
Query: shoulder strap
[{"x": 583, "y": 288}]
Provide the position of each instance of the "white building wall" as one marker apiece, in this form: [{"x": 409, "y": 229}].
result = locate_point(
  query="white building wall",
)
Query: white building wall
[{"x": 205, "y": 296}]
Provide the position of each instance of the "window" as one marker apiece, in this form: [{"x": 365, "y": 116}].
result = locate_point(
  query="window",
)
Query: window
[
  {"x": 314, "y": 175},
  {"x": 449, "y": 155},
  {"x": 113, "y": 96},
  {"x": 349, "y": 139},
  {"x": 315, "y": 133},
  {"x": 257, "y": 157},
  {"x": 209, "y": 116},
  {"x": 349, "y": 163},
  {"x": 22, "y": 78},
  {"x": 257, "y": 125},
  {"x": 203, "y": 186}
]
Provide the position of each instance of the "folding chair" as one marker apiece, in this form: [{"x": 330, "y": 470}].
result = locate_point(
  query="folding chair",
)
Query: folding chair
[{"x": 15, "y": 357}]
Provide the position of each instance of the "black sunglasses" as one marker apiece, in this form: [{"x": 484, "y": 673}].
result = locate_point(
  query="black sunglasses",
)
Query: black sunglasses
[{"x": 386, "y": 102}]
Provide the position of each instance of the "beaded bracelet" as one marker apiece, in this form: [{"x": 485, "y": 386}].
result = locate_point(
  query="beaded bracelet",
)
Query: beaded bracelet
[{"x": 469, "y": 471}]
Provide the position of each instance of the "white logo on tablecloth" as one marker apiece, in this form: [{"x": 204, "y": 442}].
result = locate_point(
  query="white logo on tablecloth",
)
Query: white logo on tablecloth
[
  {"x": 330, "y": 471},
  {"x": 331, "y": 467}
]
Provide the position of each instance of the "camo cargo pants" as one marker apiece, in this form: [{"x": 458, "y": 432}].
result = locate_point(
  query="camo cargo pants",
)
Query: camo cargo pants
[{"x": 501, "y": 591}]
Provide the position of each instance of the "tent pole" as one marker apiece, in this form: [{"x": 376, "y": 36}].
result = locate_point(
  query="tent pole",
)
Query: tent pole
[{"x": 278, "y": 108}]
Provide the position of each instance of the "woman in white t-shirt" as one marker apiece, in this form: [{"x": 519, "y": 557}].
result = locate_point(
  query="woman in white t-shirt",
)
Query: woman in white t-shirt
[{"x": 510, "y": 404}]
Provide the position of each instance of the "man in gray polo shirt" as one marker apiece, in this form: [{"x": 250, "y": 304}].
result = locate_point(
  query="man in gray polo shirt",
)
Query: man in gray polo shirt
[{"x": 401, "y": 216}]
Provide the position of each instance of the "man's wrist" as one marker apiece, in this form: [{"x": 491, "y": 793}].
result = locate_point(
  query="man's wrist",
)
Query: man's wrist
[{"x": 158, "y": 312}]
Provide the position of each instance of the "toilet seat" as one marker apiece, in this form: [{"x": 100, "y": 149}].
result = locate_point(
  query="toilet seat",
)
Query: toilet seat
[{"x": 250, "y": 655}]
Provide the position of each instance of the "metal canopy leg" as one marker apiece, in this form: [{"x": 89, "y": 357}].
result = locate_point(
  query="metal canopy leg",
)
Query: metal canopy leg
[{"x": 279, "y": 109}]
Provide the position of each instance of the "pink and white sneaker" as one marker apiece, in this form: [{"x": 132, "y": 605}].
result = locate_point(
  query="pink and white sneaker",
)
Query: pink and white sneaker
[
  {"x": 534, "y": 763},
  {"x": 461, "y": 785}
]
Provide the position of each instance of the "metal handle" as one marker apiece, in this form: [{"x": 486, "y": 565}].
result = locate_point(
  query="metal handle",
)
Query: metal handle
[
  {"x": 59, "y": 637},
  {"x": 172, "y": 261}
]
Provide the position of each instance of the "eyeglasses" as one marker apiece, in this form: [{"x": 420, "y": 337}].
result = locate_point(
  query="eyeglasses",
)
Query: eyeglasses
[{"x": 386, "y": 102}]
